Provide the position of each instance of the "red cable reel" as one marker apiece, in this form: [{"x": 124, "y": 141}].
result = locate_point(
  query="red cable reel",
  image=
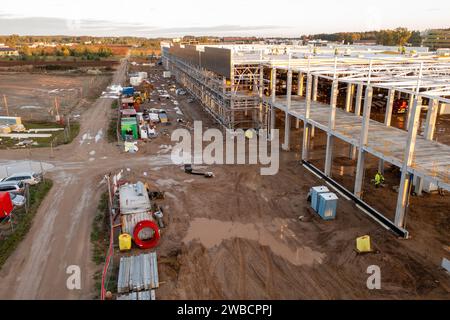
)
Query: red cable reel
[{"x": 146, "y": 244}]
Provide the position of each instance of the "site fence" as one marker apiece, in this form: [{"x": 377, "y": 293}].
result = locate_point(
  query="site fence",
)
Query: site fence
[{"x": 109, "y": 263}]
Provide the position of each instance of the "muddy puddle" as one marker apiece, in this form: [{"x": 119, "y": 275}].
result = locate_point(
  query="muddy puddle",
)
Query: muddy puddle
[{"x": 211, "y": 233}]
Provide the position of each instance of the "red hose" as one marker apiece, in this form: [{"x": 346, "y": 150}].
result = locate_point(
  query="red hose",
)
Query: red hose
[{"x": 146, "y": 244}]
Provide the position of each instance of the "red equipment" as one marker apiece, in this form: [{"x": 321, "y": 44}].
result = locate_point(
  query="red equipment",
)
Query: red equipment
[
  {"x": 6, "y": 205},
  {"x": 400, "y": 106},
  {"x": 146, "y": 244}
]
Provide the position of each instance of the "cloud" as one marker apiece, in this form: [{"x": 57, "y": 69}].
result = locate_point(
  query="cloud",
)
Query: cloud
[
  {"x": 57, "y": 26},
  {"x": 215, "y": 30}
]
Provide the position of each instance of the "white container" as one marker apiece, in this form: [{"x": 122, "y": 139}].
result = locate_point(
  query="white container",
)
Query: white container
[
  {"x": 315, "y": 191},
  {"x": 135, "y": 81},
  {"x": 167, "y": 74}
]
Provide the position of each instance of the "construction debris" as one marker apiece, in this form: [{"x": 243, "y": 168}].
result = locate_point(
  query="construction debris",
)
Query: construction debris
[
  {"x": 446, "y": 264},
  {"x": 188, "y": 169}
]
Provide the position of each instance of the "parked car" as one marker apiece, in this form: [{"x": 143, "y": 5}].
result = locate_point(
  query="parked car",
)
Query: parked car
[
  {"x": 17, "y": 187},
  {"x": 27, "y": 177},
  {"x": 17, "y": 199}
]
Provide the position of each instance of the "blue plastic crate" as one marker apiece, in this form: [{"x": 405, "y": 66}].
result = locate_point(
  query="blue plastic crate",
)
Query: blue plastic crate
[{"x": 128, "y": 91}]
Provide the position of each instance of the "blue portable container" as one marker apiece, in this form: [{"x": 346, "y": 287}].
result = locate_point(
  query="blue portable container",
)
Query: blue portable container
[
  {"x": 315, "y": 191},
  {"x": 327, "y": 205},
  {"x": 128, "y": 91}
]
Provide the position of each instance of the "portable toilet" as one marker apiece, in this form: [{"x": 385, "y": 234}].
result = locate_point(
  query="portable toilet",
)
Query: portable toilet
[
  {"x": 129, "y": 124},
  {"x": 315, "y": 191},
  {"x": 128, "y": 91},
  {"x": 327, "y": 205}
]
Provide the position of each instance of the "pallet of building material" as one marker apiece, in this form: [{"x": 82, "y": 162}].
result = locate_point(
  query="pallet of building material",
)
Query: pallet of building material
[
  {"x": 136, "y": 276},
  {"x": 137, "y": 273},
  {"x": 142, "y": 295},
  {"x": 130, "y": 221},
  {"x": 129, "y": 296},
  {"x": 123, "y": 281}
]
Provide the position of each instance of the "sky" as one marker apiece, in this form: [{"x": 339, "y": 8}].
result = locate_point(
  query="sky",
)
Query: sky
[{"x": 173, "y": 18}]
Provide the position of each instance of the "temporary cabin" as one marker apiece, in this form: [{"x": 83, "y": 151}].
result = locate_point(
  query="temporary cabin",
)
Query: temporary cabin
[{"x": 129, "y": 124}]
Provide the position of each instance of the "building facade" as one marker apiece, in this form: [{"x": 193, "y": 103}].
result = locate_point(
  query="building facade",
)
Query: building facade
[
  {"x": 438, "y": 38},
  {"x": 8, "y": 52}
]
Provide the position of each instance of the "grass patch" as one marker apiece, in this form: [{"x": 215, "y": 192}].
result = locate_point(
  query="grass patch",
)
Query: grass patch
[
  {"x": 59, "y": 137},
  {"x": 112, "y": 128},
  {"x": 22, "y": 221},
  {"x": 100, "y": 241},
  {"x": 113, "y": 123},
  {"x": 100, "y": 231}
]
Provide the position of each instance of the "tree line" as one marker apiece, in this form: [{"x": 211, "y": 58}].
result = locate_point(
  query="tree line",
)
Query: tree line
[
  {"x": 395, "y": 37},
  {"x": 84, "y": 52},
  {"x": 15, "y": 40}
]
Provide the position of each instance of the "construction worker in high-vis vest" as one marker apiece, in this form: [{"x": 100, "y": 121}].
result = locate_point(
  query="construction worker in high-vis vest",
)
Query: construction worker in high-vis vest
[{"x": 379, "y": 179}]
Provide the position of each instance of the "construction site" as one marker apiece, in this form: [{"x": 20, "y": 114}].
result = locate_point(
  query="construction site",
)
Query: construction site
[
  {"x": 164, "y": 230},
  {"x": 349, "y": 101}
]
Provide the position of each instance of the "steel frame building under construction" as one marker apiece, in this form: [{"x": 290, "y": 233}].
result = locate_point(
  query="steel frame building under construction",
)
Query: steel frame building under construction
[{"x": 242, "y": 86}]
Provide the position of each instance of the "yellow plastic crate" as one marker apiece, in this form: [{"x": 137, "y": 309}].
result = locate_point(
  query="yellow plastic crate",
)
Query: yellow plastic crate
[
  {"x": 124, "y": 242},
  {"x": 363, "y": 244}
]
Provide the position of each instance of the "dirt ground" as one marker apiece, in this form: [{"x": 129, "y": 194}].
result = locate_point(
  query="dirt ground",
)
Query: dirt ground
[
  {"x": 238, "y": 235},
  {"x": 241, "y": 235},
  {"x": 4, "y": 64},
  {"x": 32, "y": 95}
]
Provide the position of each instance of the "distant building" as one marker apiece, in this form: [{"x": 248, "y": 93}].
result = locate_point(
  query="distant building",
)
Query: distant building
[
  {"x": 318, "y": 43},
  {"x": 437, "y": 38},
  {"x": 8, "y": 52},
  {"x": 365, "y": 42},
  {"x": 443, "y": 52}
]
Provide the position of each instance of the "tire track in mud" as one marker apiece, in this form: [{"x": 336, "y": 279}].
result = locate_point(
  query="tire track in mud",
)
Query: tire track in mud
[
  {"x": 242, "y": 283},
  {"x": 269, "y": 270}
]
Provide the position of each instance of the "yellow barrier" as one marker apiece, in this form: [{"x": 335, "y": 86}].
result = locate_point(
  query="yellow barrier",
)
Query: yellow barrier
[{"x": 363, "y": 244}]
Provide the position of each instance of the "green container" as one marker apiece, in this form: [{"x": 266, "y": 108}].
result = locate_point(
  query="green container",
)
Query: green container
[{"x": 129, "y": 124}]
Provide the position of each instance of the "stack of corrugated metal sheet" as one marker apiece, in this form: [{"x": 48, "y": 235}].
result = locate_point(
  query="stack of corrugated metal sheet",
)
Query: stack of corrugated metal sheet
[
  {"x": 129, "y": 222},
  {"x": 137, "y": 273},
  {"x": 142, "y": 295}
]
